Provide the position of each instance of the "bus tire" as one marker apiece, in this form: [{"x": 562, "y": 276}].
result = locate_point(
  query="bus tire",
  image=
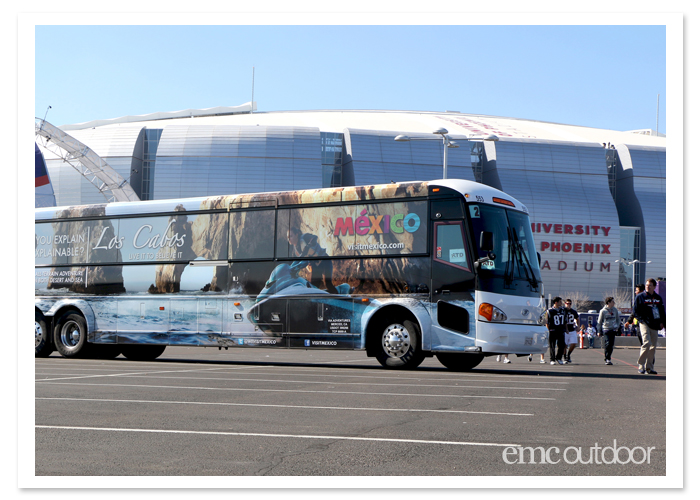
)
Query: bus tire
[
  {"x": 136, "y": 352},
  {"x": 458, "y": 361},
  {"x": 43, "y": 344},
  {"x": 399, "y": 345},
  {"x": 70, "y": 336}
]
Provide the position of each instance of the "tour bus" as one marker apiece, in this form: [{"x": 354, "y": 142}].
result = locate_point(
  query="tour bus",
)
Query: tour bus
[{"x": 402, "y": 271}]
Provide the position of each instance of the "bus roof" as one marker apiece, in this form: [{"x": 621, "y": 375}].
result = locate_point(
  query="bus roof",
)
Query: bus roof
[
  {"x": 477, "y": 192},
  {"x": 473, "y": 192}
]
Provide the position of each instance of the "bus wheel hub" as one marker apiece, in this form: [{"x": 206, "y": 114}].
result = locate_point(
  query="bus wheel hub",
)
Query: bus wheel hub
[
  {"x": 396, "y": 341},
  {"x": 38, "y": 334}
]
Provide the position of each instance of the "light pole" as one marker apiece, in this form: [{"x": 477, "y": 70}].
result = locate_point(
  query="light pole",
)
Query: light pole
[
  {"x": 447, "y": 142},
  {"x": 632, "y": 263}
]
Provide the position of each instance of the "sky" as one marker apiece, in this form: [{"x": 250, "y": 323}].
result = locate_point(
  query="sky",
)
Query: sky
[{"x": 596, "y": 76}]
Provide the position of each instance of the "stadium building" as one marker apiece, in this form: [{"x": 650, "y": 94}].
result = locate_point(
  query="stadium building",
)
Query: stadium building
[{"x": 595, "y": 196}]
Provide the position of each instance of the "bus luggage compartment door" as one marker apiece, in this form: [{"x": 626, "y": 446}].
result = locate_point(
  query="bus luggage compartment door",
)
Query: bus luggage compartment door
[
  {"x": 142, "y": 320},
  {"x": 324, "y": 322},
  {"x": 210, "y": 316},
  {"x": 183, "y": 322},
  {"x": 270, "y": 316}
]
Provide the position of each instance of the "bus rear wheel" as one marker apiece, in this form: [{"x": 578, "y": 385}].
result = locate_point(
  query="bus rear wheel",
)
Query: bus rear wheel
[
  {"x": 70, "y": 335},
  {"x": 458, "y": 361},
  {"x": 142, "y": 352},
  {"x": 400, "y": 345},
  {"x": 43, "y": 345}
]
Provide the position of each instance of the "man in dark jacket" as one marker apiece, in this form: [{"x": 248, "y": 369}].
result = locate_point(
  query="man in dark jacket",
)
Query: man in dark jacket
[
  {"x": 556, "y": 324},
  {"x": 651, "y": 315},
  {"x": 632, "y": 322}
]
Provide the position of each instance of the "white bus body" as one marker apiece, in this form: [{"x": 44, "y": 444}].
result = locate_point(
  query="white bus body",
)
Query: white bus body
[{"x": 403, "y": 271}]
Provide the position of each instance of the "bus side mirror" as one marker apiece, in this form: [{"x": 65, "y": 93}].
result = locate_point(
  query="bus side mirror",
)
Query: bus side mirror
[
  {"x": 486, "y": 245},
  {"x": 539, "y": 259},
  {"x": 486, "y": 241}
]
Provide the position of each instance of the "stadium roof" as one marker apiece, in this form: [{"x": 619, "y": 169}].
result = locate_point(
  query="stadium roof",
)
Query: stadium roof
[{"x": 390, "y": 121}]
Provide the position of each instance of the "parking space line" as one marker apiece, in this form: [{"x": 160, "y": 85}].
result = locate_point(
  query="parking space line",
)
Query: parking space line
[
  {"x": 328, "y": 375},
  {"x": 307, "y": 407},
  {"x": 404, "y": 378},
  {"x": 258, "y": 434},
  {"x": 325, "y": 382},
  {"x": 141, "y": 373},
  {"x": 403, "y": 395},
  {"x": 423, "y": 374}
]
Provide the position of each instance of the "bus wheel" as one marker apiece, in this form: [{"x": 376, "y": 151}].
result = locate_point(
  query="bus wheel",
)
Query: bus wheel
[
  {"x": 70, "y": 335},
  {"x": 43, "y": 346},
  {"x": 458, "y": 361},
  {"x": 142, "y": 352},
  {"x": 400, "y": 345}
]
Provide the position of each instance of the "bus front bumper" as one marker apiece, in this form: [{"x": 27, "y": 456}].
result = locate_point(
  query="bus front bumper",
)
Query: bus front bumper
[{"x": 508, "y": 338}]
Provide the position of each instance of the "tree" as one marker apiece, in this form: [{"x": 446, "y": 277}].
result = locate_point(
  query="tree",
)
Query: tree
[
  {"x": 579, "y": 300},
  {"x": 622, "y": 297}
]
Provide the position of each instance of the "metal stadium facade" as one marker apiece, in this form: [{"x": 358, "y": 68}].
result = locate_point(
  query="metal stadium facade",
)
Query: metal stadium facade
[{"x": 595, "y": 196}]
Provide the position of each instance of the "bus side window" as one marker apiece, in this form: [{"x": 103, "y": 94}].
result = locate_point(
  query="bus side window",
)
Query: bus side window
[
  {"x": 252, "y": 235},
  {"x": 283, "y": 216},
  {"x": 450, "y": 245}
]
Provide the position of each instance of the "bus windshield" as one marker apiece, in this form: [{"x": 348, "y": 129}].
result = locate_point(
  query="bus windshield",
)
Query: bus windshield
[{"x": 513, "y": 244}]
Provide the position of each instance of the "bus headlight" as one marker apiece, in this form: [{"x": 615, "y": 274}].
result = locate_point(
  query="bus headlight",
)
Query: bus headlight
[{"x": 489, "y": 312}]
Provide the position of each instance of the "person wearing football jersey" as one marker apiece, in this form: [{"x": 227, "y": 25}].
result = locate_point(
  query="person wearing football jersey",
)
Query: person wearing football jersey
[
  {"x": 571, "y": 335},
  {"x": 651, "y": 314},
  {"x": 556, "y": 324}
]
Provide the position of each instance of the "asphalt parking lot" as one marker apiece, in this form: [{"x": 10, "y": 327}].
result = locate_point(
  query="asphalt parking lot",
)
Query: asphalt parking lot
[{"x": 251, "y": 412}]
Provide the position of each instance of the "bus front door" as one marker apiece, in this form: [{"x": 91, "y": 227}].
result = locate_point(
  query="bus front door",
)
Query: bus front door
[{"x": 453, "y": 284}]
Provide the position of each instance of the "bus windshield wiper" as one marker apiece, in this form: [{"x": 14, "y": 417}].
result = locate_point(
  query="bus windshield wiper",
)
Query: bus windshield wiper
[
  {"x": 529, "y": 272},
  {"x": 510, "y": 264}
]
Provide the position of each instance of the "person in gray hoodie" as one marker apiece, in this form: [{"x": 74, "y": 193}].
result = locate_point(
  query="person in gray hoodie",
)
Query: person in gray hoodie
[{"x": 608, "y": 325}]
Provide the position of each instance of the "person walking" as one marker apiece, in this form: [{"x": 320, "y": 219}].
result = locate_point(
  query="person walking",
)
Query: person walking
[
  {"x": 571, "y": 335},
  {"x": 591, "y": 331},
  {"x": 608, "y": 325},
  {"x": 556, "y": 324},
  {"x": 651, "y": 314},
  {"x": 529, "y": 358},
  {"x": 631, "y": 320},
  {"x": 633, "y": 323},
  {"x": 503, "y": 357}
]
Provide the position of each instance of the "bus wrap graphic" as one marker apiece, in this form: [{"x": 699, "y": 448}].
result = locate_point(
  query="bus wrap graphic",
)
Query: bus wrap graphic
[
  {"x": 379, "y": 224},
  {"x": 346, "y": 268},
  {"x": 364, "y": 229}
]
